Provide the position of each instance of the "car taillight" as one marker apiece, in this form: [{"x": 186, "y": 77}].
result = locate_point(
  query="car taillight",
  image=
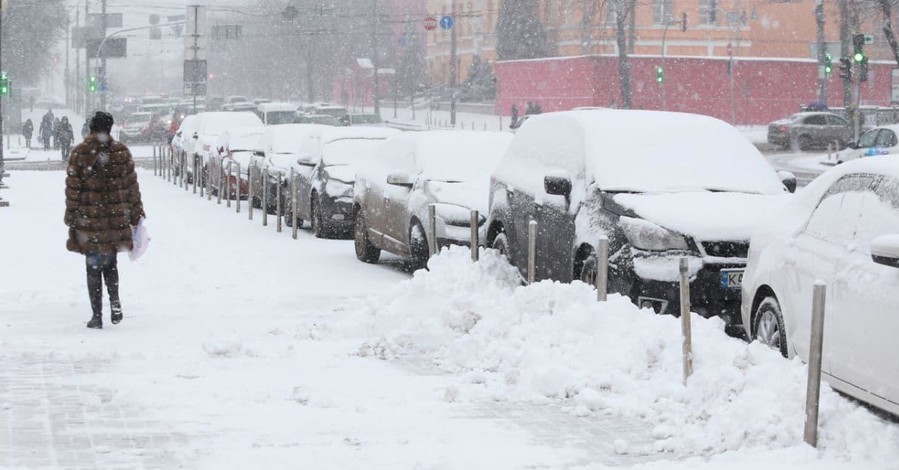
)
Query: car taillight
[{"x": 783, "y": 128}]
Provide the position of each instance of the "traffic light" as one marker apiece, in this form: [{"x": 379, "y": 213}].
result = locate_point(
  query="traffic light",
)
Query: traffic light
[
  {"x": 858, "y": 41},
  {"x": 4, "y": 84},
  {"x": 846, "y": 68},
  {"x": 863, "y": 70},
  {"x": 683, "y": 22},
  {"x": 828, "y": 63},
  {"x": 660, "y": 74},
  {"x": 92, "y": 84}
]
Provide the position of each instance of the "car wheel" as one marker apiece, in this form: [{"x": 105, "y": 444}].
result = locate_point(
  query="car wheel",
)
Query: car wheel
[
  {"x": 365, "y": 251},
  {"x": 501, "y": 244},
  {"x": 805, "y": 142},
  {"x": 418, "y": 246},
  {"x": 588, "y": 270},
  {"x": 316, "y": 218},
  {"x": 768, "y": 325}
]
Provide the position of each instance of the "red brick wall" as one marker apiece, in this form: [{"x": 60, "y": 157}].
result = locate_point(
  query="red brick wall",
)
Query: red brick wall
[{"x": 761, "y": 90}]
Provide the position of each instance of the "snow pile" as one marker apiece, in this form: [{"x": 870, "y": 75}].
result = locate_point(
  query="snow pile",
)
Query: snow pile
[{"x": 553, "y": 341}]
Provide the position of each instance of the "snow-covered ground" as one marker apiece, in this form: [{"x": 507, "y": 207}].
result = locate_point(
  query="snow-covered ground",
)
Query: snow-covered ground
[{"x": 243, "y": 348}]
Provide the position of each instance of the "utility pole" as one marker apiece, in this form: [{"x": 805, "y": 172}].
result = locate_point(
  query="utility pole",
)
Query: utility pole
[
  {"x": 822, "y": 52},
  {"x": 76, "y": 94},
  {"x": 453, "y": 65},
  {"x": 374, "y": 54},
  {"x": 104, "y": 87},
  {"x": 68, "y": 79},
  {"x": 87, "y": 66},
  {"x": 845, "y": 37}
]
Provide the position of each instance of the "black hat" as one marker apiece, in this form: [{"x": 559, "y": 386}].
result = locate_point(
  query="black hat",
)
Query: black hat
[{"x": 101, "y": 123}]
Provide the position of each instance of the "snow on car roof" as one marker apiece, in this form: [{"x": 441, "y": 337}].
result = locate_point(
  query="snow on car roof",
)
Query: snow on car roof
[
  {"x": 216, "y": 122},
  {"x": 645, "y": 151},
  {"x": 272, "y": 107},
  {"x": 289, "y": 138},
  {"x": 332, "y": 134},
  {"x": 458, "y": 155}
]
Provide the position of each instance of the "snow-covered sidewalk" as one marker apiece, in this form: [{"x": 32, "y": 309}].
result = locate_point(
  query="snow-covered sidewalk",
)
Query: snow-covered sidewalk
[{"x": 243, "y": 348}]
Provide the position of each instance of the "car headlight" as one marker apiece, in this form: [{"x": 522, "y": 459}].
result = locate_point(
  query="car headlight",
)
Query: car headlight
[{"x": 647, "y": 236}]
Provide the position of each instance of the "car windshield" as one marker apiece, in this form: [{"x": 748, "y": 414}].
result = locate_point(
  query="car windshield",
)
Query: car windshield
[
  {"x": 280, "y": 117},
  {"x": 366, "y": 119},
  {"x": 334, "y": 112},
  {"x": 139, "y": 118},
  {"x": 349, "y": 151}
]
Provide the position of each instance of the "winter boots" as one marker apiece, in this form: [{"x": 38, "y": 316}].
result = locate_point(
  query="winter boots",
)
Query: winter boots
[
  {"x": 116, "y": 313},
  {"x": 96, "y": 322}
]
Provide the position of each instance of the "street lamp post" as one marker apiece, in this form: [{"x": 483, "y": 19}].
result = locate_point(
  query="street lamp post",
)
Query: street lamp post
[{"x": 668, "y": 24}]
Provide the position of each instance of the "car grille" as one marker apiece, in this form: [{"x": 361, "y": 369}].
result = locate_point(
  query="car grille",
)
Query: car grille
[{"x": 726, "y": 249}]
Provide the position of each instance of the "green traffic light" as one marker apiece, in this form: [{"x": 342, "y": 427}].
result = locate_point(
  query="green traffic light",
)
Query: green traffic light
[
  {"x": 660, "y": 74},
  {"x": 859, "y": 57}
]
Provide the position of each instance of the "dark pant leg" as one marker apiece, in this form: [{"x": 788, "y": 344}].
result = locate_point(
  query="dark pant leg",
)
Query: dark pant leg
[
  {"x": 111, "y": 276},
  {"x": 95, "y": 282}
]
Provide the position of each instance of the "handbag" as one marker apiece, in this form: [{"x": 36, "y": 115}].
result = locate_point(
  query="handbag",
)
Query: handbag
[{"x": 140, "y": 239}]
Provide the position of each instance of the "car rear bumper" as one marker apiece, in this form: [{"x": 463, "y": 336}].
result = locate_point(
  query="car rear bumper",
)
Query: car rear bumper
[
  {"x": 708, "y": 296},
  {"x": 337, "y": 213}
]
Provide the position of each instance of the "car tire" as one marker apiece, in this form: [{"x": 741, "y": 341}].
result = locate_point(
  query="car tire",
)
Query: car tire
[
  {"x": 315, "y": 220},
  {"x": 418, "y": 246},
  {"x": 804, "y": 142},
  {"x": 501, "y": 244},
  {"x": 768, "y": 325},
  {"x": 365, "y": 251},
  {"x": 588, "y": 270}
]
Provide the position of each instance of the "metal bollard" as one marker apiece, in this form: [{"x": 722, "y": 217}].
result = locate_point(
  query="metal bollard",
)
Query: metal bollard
[
  {"x": 475, "y": 237},
  {"x": 154, "y": 151},
  {"x": 228, "y": 183},
  {"x": 432, "y": 229},
  {"x": 221, "y": 187},
  {"x": 686, "y": 327},
  {"x": 155, "y": 173},
  {"x": 532, "y": 251},
  {"x": 208, "y": 179},
  {"x": 602, "y": 269},
  {"x": 196, "y": 175},
  {"x": 294, "y": 197},
  {"x": 264, "y": 190},
  {"x": 250, "y": 189},
  {"x": 168, "y": 169},
  {"x": 184, "y": 180},
  {"x": 237, "y": 190},
  {"x": 816, "y": 344},
  {"x": 278, "y": 201}
]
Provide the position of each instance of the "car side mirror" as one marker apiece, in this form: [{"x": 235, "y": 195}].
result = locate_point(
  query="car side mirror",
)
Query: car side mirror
[
  {"x": 788, "y": 179},
  {"x": 306, "y": 160},
  {"x": 852, "y": 145},
  {"x": 400, "y": 178},
  {"x": 885, "y": 250},
  {"x": 557, "y": 185}
]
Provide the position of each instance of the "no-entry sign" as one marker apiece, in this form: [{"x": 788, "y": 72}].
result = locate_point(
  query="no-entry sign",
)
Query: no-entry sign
[{"x": 430, "y": 23}]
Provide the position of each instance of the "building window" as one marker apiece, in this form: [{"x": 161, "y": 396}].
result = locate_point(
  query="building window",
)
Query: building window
[
  {"x": 661, "y": 12},
  {"x": 708, "y": 12}
]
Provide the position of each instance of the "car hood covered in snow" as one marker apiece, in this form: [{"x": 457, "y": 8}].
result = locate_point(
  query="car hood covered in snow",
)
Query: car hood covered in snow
[{"x": 705, "y": 215}]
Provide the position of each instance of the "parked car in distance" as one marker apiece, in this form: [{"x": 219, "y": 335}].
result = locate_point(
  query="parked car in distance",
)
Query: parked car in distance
[
  {"x": 694, "y": 189},
  {"x": 804, "y": 131},
  {"x": 326, "y": 174},
  {"x": 135, "y": 125},
  {"x": 370, "y": 120},
  {"x": 183, "y": 140},
  {"x": 273, "y": 114},
  {"x": 336, "y": 112},
  {"x": 280, "y": 148},
  {"x": 843, "y": 230},
  {"x": 413, "y": 170},
  {"x": 321, "y": 119},
  {"x": 874, "y": 142}
]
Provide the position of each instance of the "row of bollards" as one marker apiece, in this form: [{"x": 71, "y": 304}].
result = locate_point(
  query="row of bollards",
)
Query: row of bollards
[{"x": 165, "y": 163}]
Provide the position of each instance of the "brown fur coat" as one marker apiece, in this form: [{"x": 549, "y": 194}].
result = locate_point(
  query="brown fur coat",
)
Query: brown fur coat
[{"x": 102, "y": 197}]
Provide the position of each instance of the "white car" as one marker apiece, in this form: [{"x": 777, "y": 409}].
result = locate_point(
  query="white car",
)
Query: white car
[
  {"x": 237, "y": 146},
  {"x": 280, "y": 148},
  {"x": 842, "y": 229},
  {"x": 873, "y": 143},
  {"x": 183, "y": 140},
  {"x": 213, "y": 125},
  {"x": 277, "y": 113},
  {"x": 413, "y": 170}
]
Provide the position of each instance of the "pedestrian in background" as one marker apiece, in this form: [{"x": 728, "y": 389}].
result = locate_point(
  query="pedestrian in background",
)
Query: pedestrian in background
[
  {"x": 56, "y": 129},
  {"x": 103, "y": 203},
  {"x": 85, "y": 128},
  {"x": 66, "y": 136},
  {"x": 27, "y": 132}
]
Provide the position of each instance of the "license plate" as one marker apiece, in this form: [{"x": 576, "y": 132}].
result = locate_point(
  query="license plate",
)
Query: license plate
[{"x": 732, "y": 279}]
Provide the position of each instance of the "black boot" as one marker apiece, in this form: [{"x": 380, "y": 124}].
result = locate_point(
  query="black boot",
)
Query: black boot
[
  {"x": 96, "y": 322},
  {"x": 116, "y": 313}
]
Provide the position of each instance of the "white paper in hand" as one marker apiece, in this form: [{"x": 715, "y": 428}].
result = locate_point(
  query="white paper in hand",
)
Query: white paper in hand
[{"x": 140, "y": 238}]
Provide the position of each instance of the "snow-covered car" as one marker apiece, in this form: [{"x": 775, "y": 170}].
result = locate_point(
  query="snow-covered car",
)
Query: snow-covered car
[
  {"x": 335, "y": 111},
  {"x": 277, "y": 113},
  {"x": 843, "y": 230},
  {"x": 136, "y": 125},
  {"x": 326, "y": 174},
  {"x": 213, "y": 125},
  {"x": 695, "y": 187},
  {"x": 183, "y": 139},
  {"x": 875, "y": 142},
  {"x": 236, "y": 146},
  {"x": 413, "y": 170},
  {"x": 322, "y": 119},
  {"x": 280, "y": 148},
  {"x": 365, "y": 119}
]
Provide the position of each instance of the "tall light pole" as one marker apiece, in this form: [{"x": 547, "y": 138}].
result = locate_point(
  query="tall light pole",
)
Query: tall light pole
[
  {"x": 822, "y": 52},
  {"x": 104, "y": 87},
  {"x": 374, "y": 55},
  {"x": 453, "y": 64}
]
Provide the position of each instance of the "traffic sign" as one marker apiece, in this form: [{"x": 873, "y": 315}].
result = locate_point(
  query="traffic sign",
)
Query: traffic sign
[
  {"x": 869, "y": 39},
  {"x": 430, "y": 23},
  {"x": 447, "y": 22}
]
